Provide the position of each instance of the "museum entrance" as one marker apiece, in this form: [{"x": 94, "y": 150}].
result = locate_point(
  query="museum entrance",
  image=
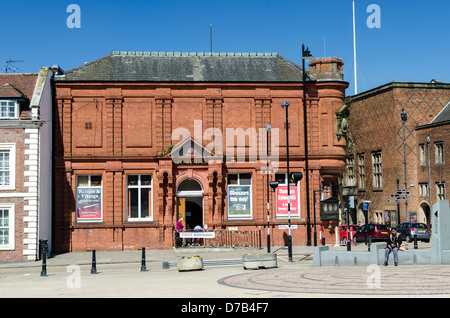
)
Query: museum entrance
[{"x": 190, "y": 203}]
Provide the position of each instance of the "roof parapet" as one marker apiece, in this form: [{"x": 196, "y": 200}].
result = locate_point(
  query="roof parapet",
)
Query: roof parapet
[{"x": 156, "y": 53}]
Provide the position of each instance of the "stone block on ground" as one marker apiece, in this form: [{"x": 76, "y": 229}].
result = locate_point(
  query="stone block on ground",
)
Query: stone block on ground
[{"x": 258, "y": 261}]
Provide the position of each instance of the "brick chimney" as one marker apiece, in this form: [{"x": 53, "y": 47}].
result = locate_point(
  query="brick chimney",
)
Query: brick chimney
[{"x": 327, "y": 68}]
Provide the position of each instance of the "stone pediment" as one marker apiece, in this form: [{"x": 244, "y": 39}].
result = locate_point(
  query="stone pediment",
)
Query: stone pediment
[{"x": 189, "y": 151}]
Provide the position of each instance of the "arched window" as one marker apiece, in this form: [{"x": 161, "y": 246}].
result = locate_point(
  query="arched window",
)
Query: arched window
[{"x": 189, "y": 185}]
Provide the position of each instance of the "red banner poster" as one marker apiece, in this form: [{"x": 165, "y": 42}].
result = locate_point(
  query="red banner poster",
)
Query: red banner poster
[
  {"x": 282, "y": 201},
  {"x": 89, "y": 203}
]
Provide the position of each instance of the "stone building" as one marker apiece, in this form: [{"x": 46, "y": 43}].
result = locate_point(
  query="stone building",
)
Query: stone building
[
  {"x": 25, "y": 163},
  {"x": 375, "y": 163},
  {"x": 142, "y": 138}
]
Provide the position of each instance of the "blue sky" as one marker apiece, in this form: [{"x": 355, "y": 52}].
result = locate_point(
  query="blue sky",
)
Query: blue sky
[{"x": 411, "y": 45}]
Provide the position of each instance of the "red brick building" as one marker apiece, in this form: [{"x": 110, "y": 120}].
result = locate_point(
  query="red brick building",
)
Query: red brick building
[
  {"x": 375, "y": 148},
  {"x": 433, "y": 170},
  {"x": 123, "y": 122}
]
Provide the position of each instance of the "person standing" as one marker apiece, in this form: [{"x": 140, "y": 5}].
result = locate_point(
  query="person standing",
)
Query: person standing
[
  {"x": 393, "y": 244},
  {"x": 180, "y": 228}
]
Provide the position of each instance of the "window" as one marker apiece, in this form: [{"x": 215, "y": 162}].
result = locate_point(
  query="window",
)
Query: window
[
  {"x": 440, "y": 190},
  {"x": 139, "y": 197},
  {"x": 377, "y": 170},
  {"x": 6, "y": 226},
  {"x": 361, "y": 171},
  {"x": 423, "y": 189},
  {"x": 8, "y": 109},
  {"x": 439, "y": 152},
  {"x": 89, "y": 198},
  {"x": 350, "y": 171},
  {"x": 239, "y": 195},
  {"x": 7, "y": 166},
  {"x": 281, "y": 179},
  {"x": 4, "y": 167},
  {"x": 422, "y": 154}
]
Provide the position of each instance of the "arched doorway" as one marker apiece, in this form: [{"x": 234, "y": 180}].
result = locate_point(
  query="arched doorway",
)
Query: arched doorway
[
  {"x": 190, "y": 203},
  {"x": 425, "y": 213}
]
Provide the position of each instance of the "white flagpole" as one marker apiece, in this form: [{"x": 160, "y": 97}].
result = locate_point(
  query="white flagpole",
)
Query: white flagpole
[{"x": 354, "y": 48}]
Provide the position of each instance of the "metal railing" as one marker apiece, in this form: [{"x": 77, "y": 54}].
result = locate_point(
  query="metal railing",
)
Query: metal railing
[{"x": 223, "y": 238}]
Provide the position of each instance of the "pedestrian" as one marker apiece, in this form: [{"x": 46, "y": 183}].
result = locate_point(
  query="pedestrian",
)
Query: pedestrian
[
  {"x": 198, "y": 228},
  {"x": 393, "y": 244},
  {"x": 179, "y": 228}
]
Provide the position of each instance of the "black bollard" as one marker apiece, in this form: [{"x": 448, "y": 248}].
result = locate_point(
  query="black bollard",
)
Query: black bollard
[
  {"x": 94, "y": 263},
  {"x": 415, "y": 242},
  {"x": 143, "y": 267},
  {"x": 323, "y": 241},
  {"x": 44, "y": 247},
  {"x": 370, "y": 243}
]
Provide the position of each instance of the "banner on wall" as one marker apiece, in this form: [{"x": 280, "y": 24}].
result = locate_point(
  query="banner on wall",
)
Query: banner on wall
[
  {"x": 282, "y": 201},
  {"x": 89, "y": 203},
  {"x": 239, "y": 201}
]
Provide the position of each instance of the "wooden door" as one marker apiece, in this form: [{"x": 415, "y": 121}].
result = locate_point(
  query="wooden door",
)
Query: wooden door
[{"x": 181, "y": 209}]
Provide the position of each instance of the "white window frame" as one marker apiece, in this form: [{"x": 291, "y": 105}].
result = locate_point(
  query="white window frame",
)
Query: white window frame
[
  {"x": 439, "y": 152},
  {"x": 362, "y": 171},
  {"x": 81, "y": 220},
  {"x": 423, "y": 189},
  {"x": 12, "y": 165},
  {"x": 16, "y": 110},
  {"x": 11, "y": 245},
  {"x": 243, "y": 217},
  {"x": 140, "y": 186},
  {"x": 350, "y": 163},
  {"x": 377, "y": 170},
  {"x": 440, "y": 190}
]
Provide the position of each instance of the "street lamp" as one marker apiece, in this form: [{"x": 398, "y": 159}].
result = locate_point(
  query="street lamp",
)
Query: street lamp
[
  {"x": 274, "y": 185},
  {"x": 285, "y": 105},
  {"x": 306, "y": 55},
  {"x": 404, "y": 118},
  {"x": 268, "y": 128}
]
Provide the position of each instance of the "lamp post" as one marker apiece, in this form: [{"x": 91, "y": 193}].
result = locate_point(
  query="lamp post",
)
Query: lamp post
[
  {"x": 268, "y": 128},
  {"x": 315, "y": 232},
  {"x": 306, "y": 55},
  {"x": 429, "y": 171},
  {"x": 404, "y": 118},
  {"x": 285, "y": 105},
  {"x": 346, "y": 194}
]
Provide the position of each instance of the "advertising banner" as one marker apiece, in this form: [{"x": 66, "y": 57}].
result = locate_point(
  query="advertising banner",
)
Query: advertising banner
[
  {"x": 89, "y": 203},
  {"x": 282, "y": 201},
  {"x": 197, "y": 234},
  {"x": 239, "y": 201}
]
